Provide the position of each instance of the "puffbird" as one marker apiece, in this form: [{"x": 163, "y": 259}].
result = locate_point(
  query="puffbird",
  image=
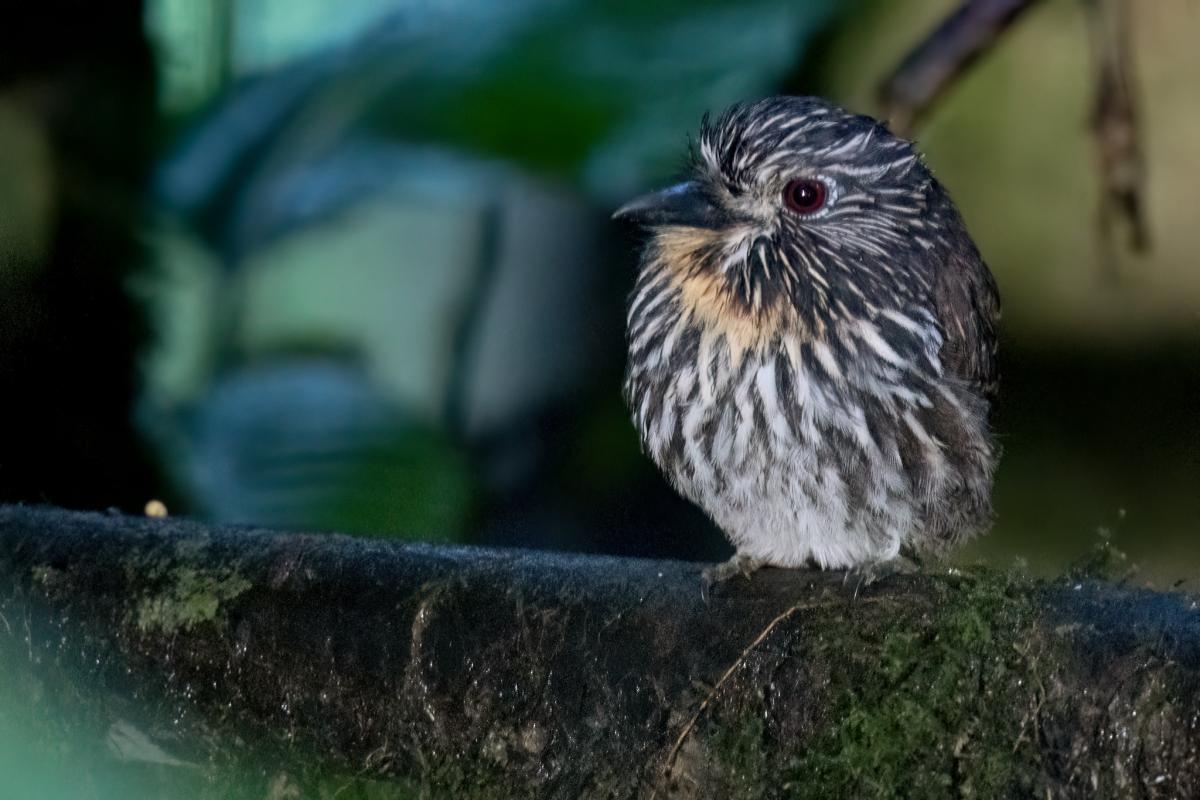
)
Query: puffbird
[{"x": 812, "y": 342}]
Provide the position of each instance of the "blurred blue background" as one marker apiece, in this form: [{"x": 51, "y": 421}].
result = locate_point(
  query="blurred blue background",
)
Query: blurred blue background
[{"x": 349, "y": 266}]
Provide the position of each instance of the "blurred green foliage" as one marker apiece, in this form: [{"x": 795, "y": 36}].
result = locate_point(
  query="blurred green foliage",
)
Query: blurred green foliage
[
  {"x": 435, "y": 509},
  {"x": 602, "y": 92}
]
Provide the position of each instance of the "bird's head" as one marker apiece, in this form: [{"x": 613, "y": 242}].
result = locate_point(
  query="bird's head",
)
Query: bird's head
[{"x": 796, "y": 212}]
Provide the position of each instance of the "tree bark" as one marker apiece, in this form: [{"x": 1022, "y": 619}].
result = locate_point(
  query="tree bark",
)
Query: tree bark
[{"x": 186, "y": 660}]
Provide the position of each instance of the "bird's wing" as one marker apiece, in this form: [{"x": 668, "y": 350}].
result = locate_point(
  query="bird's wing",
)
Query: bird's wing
[{"x": 968, "y": 305}]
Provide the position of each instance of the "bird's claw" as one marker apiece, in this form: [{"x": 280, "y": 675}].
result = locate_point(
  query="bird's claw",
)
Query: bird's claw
[
  {"x": 740, "y": 564},
  {"x": 867, "y": 574}
]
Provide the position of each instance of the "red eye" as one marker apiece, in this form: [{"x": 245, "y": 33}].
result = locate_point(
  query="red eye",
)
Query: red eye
[{"x": 805, "y": 196}]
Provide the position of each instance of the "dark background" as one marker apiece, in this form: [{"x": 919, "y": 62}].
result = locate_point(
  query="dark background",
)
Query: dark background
[{"x": 349, "y": 266}]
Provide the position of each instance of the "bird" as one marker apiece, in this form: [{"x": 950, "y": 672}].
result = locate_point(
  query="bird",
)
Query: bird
[{"x": 812, "y": 342}]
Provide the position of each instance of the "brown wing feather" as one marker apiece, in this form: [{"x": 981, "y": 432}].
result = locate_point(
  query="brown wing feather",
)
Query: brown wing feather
[{"x": 968, "y": 306}]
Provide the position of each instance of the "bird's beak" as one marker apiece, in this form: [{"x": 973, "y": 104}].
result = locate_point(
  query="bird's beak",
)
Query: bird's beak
[{"x": 685, "y": 204}]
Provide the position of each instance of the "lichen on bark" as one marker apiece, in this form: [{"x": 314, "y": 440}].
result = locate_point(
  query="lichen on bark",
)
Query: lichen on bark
[{"x": 193, "y": 596}]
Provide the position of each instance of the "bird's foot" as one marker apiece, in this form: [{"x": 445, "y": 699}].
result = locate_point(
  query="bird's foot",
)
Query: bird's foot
[
  {"x": 867, "y": 574},
  {"x": 740, "y": 564}
]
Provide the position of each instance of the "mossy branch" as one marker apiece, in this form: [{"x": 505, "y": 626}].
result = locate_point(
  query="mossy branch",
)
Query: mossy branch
[{"x": 160, "y": 654}]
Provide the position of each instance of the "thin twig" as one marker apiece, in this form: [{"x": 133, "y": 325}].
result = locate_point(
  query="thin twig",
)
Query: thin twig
[
  {"x": 975, "y": 26},
  {"x": 741, "y": 659},
  {"x": 943, "y": 57},
  {"x": 1115, "y": 124}
]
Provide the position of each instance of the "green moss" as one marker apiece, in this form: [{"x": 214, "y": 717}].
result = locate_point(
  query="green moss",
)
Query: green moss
[
  {"x": 444, "y": 780},
  {"x": 744, "y": 766},
  {"x": 933, "y": 698},
  {"x": 441, "y": 776},
  {"x": 192, "y": 597},
  {"x": 1103, "y": 562},
  {"x": 937, "y": 704},
  {"x": 335, "y": 787},
  {"x": 363, "y": 789}
]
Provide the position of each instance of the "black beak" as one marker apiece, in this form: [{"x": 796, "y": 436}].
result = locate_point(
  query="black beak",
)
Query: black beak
[{"x": 685, "y": 204}]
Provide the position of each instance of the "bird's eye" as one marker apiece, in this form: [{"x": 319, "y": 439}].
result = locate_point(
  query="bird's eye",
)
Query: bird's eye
[{"x": 805, "y": 195}]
